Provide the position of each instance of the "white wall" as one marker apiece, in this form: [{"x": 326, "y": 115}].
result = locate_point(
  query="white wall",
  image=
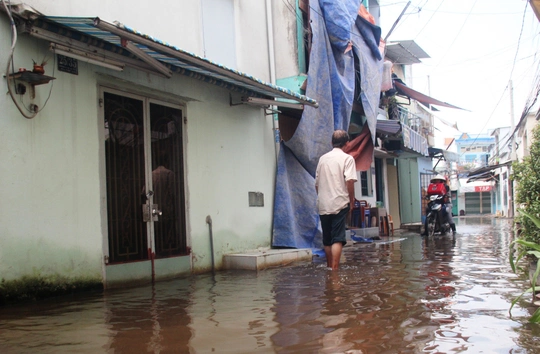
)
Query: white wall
[
  {"x": 218, "y": 22},
  {"x": 525, "y": 138},
  {"x": 176, "y": 22},
  {"x": 252, "y": 39},
  {"x": 285, "y": 40},
  {"x": 230, "y": 153},
  {"x": 180, "y": 23},
  {"x": 50, "y": 215}
]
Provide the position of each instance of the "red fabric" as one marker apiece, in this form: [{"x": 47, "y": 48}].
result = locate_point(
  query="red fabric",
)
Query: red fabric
[
  {"x": 365, "y": 14},
  {"x": 436, "y": 188},
  {"x": 361, "y": 149}
]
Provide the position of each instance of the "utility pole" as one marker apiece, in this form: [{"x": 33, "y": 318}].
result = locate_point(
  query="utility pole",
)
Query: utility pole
[
  {"x": 513, "y": 124},
  {"x": 395, "y": 23},
  {"x": 512, "y": 152}
]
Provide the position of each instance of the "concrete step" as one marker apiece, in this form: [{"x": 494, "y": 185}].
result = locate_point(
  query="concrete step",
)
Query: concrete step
[
  {"x": 412, "y": 227},
  {"x": 261, "y": 259},
  {"x": 365, "y": 232}
]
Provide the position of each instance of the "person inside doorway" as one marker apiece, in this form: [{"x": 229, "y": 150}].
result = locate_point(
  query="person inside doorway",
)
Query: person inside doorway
[{"x": 163, "y": 182}]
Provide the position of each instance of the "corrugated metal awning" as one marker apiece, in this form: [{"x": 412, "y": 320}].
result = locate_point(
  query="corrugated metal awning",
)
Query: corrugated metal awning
[
  {"x": 449, "y": 156},
  {"x": 118, "y": 41},
  {"x": 388, "y": 127},
  {"x": 487, "y": 169},
  {"x": 420, "y": 97},
  {"x": 405, "y": 52}
]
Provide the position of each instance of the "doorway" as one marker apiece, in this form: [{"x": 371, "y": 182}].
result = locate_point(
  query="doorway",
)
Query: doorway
[{"x": 144, "y": 178}]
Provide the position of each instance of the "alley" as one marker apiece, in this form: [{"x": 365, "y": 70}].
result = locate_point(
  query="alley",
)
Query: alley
[{"x": 392, "y": 296}]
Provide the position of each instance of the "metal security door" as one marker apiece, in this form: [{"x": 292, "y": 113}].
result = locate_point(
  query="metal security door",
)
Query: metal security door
[
  {"x": 167, "y": 179},
  {"x": 125, "y": 177},
  {"x": 144, "y": 177}
]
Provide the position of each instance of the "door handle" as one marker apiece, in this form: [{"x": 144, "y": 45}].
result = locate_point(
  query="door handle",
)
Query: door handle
[
  {"x": 156, "y": 212},
  {"x": 151, "y": 212}
]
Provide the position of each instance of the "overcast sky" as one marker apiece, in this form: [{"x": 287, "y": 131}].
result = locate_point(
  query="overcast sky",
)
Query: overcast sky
[{"x": 476, "y": 48}]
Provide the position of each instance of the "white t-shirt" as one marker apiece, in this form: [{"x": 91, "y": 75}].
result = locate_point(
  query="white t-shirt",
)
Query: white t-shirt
[{"x": 334, "y": 168}]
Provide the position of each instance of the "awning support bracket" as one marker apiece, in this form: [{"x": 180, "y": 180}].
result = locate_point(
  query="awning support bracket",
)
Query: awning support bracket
[{"x": 154, "y": 63}]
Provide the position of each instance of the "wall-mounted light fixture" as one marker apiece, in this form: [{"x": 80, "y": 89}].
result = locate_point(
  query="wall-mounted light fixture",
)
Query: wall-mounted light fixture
[
  {"x": 86, "y": 57},
  {"x": 267, "y": 102}
]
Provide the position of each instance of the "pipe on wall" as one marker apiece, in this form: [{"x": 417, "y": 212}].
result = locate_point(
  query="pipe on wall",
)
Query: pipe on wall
[
  {"x": 209, "y": 222},
  {"x": 272, "y": 68}
]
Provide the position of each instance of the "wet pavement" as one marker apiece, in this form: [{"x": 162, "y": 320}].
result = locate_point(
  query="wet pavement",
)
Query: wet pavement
[{"x": 444, "y": 295}]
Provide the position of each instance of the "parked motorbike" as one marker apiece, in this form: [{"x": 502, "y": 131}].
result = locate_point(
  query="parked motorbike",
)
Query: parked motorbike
[{"x": 436, "y": 220}]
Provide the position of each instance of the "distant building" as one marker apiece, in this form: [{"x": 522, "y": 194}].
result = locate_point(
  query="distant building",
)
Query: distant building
[
  {"x": 474, "y": 150},
  {"x": 474, "y": 196}
]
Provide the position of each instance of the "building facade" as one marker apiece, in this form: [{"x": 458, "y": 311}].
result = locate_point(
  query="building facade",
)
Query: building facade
[{"x": 119, "y": 116}]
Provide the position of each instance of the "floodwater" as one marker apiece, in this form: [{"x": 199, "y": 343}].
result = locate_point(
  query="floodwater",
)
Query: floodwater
[{"x": 446, "y": 295}]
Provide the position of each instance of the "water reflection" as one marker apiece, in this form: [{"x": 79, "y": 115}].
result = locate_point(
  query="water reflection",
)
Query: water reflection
[
  {"x": 441, "y": 295},
  {"x": 152, "y": 319}
]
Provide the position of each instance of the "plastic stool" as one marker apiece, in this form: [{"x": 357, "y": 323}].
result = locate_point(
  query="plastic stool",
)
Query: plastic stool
[
  {"x": 367, "y": 214},
  {"x": 355, "y": 218},
  {"x": 384, "y": 226},
  {"x": 391, "y": 224}
]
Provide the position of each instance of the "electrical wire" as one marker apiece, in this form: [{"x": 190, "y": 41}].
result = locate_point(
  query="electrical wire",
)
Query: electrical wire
[
  {"x": 535, "y": 91},
  {"x": 10, "y": 60},
  {"x": 456, "y": 37},
  {"x": 422, "y": 29},
  {"x": 32, "y": 112},
  {"x": 437, "y": 10}
]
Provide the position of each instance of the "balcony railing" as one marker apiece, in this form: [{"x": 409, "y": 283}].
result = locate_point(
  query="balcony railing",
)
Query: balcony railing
[
  {"x": 414, "y": 141},
  {"x": 414, "y": 131},
  {"x": 416, "y": 122}
]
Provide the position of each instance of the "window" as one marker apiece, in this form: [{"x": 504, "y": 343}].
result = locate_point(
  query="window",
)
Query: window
[
  {"x": 365, "y": 182},
  {"x": 219, "y": 31}
]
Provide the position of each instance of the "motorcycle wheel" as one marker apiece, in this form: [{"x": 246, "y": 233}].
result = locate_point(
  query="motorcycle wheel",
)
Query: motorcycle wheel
[{"x": 431, "y": 227}]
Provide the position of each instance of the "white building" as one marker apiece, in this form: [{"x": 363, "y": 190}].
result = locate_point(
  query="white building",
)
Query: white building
[{"x": 117, "y": 115}]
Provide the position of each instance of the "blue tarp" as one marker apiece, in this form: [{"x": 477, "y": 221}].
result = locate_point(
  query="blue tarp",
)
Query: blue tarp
[{"x": 331, "y": 81}]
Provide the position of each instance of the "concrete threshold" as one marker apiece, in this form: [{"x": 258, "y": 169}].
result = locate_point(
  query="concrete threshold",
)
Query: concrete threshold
[
  {"x": 412, "y": 227},
  {"x": 365, "y": 232},
  {"x": 267, "y": 258}
]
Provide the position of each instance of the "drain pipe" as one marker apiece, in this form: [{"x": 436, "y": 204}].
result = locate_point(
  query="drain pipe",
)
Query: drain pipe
[
  {"x": 209, "y": 222},
  {"x": 272, "y": 69}
]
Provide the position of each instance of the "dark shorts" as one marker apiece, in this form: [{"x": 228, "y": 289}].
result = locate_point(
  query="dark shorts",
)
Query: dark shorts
[{"x": 333, "y": 227}]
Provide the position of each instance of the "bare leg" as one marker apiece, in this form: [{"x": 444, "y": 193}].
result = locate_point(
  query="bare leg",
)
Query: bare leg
[
  {"x": 328, "y": 253},
  {"x": 336, "y": 254}
]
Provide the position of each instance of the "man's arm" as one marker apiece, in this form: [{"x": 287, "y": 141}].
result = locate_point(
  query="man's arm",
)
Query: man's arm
[{"x": 350, "y": 189}]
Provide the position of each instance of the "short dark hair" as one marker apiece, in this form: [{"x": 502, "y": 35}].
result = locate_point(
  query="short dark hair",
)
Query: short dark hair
[{"x": 339, "y": 138}]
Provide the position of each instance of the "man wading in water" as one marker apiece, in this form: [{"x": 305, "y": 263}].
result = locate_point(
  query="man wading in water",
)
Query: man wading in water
[{"x": 334, "y": 183}]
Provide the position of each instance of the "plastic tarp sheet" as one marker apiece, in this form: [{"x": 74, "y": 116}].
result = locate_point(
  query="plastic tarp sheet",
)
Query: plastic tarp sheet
[{"x": 331, "y": 81}]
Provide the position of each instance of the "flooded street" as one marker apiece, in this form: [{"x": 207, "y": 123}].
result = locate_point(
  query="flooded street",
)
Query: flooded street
[{"x": 411, "y": 296}]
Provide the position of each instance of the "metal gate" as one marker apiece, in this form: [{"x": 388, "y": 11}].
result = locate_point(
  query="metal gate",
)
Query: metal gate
[
  {"x": 425, "y": 179},
  {"x": 478, "y": 203},
  {"x": 144, "y": 176}
]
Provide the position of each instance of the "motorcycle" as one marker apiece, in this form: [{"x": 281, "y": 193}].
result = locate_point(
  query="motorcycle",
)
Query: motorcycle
[{"x": 435, "y": 217}]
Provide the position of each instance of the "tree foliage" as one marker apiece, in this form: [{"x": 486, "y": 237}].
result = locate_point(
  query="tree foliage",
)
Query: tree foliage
[{"x": 526, "y": 174}]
